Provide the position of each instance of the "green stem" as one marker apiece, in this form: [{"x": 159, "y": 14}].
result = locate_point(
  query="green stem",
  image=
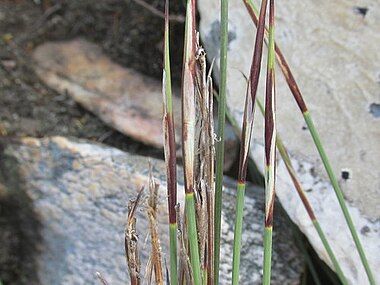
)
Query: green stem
[
  {"x": 193, "y": 238},
  {"x": 339, "y": 194},
  {"x": 330, "y": 253},
  {"x": 173, "y": 254},
  {"x": 267, "y": 255},
  {"x": 170, "y": 155},
  {"x": 298, "y": 97},
  {"x": 305, "y": 201},
  {"x": 220, "y": 135},
  {"x": 238, "y": 232}
]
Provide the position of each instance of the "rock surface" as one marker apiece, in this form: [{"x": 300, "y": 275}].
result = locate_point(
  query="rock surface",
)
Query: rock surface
[
  {"x": 78, "y": 192},
  {"x": 339, "y": 76},
  {"x": 123, "y": 98}
]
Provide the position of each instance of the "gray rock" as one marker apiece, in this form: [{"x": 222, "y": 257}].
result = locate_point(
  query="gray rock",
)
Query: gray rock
[
  {"x": 78, "y": 191},
  {"x": 338, "y": 74}
]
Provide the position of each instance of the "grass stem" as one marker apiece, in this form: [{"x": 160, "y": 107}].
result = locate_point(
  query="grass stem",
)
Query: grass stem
[
  {"x": 270, "y": 149},
  {"x": 220, "y": 135},
  {"x": 305, "y": 201},
  {"x": 170, "y": 152},
  {"x": 339, "y": 195},
  {"x": 238, "y": 232},
  {"x": 252, "y": 10},
  {"x": 246, "y": 139}
]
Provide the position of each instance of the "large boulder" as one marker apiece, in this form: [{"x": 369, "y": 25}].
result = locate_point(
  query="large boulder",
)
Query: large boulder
[
  {"x": 332, "y": 48},
  {"x": 74, "y": 197}
]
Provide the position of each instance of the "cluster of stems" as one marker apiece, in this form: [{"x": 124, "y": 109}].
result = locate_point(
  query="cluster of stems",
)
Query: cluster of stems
[{"x": 199, "y": 242}]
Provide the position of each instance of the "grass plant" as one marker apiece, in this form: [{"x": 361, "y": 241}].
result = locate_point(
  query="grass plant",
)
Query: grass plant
[
  {"x": 252, "y": 10},
  {"x": 305, "y": 201},
  {"x": 195, "y": 235}
]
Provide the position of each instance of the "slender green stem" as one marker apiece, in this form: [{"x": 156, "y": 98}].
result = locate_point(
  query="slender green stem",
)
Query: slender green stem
[
  {"x": 220, "y": 135},
  {"x": 246, "y": 134},
  {"x": 170, "y": 151},
  {"x": 330, "y": 252},
  {"x": 238, "y": 232},
  {"x": 339, "y": 194},
  {"x": 270, "y": 149},
  {"x": 267, "y": 255},
  {"x": 302, "y": 105},
  {"x": 305, "y": 201},
  {"x": 193, "y": 237},
  {"x": 173, "y": 254}
]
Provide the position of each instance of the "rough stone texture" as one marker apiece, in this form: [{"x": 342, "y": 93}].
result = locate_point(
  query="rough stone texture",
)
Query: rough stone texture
[
  {"x": 78, "y": 193},
  {"x": 123, "y": 98},
  {"x": 332, "y": 48}
]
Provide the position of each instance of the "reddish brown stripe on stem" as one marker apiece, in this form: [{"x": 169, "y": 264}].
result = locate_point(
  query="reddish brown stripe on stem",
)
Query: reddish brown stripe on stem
[
  {"x": 252, "y": 87},
  {"x": 290, "y": 79},
  {"x": 172, "y": 173},
  {"x": 284, "y": 67},
  {"x": 245, "y": 139},
  {"x": 269, "y": 120},
  {"x": 256, "y": 60},
  {"x": 270, "y": 150},
  {"x": 302, "y": 195}
]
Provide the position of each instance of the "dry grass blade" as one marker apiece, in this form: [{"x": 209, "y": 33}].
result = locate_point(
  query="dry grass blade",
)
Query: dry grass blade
[
  {"x": 153, "y": 228},
  {"x": 204, "y": 163},
  {"x": 131, "y": 241},
  {"x": 186, "y": 276},
  {"x": 188, "y": 135}
]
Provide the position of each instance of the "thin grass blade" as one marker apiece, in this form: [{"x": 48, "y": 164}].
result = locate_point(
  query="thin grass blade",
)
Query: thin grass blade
[
  {"x": 252, "y": 10},
  {"x": 131, "y": 241},
  {"x": 246, "y": 139},
  {"x": 270, "y": 149},
  {"x": 156, "y": 255},
  {"x": 220, "y": 134},
  {"x": 305, "y": 201},
  {"x": 170, "y": 152}
]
